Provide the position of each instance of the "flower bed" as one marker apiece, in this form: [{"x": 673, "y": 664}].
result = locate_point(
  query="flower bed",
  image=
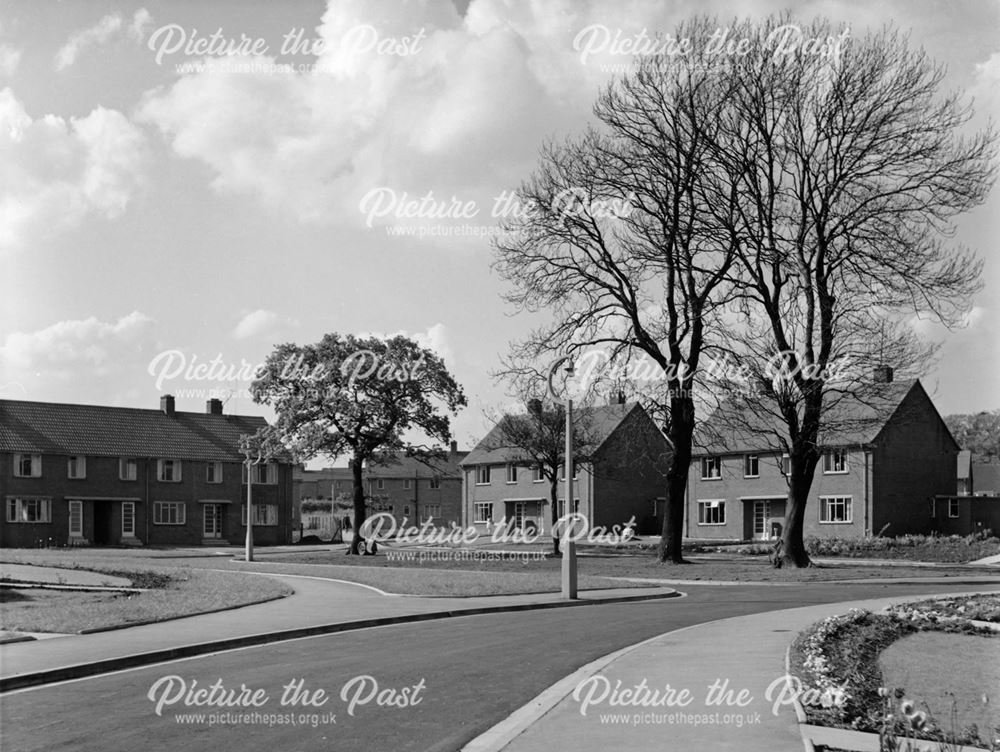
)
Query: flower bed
[{"x": 838, "y": 659}]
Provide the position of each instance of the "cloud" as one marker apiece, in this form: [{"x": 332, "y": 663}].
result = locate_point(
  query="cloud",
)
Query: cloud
[
  {"x": 9, "y": 60},
  {"x": 56, "y": 172},
  {"x": 108, "y": 28},
  {"x": 256, "y": 324},
  {"x": 69, "y": 350}
]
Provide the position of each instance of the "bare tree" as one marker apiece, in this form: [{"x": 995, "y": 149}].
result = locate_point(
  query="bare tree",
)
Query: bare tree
[
  {"x": 621, "y": 243},
  {"x": 852, "y": 169}
]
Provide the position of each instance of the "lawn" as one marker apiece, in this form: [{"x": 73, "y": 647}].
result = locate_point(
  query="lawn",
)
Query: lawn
[
  {"x": 937, "y": 669},
  {"x": 173, "y": 592}
]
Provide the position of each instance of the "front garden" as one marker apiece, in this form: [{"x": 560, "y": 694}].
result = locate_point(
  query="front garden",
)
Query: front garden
[{"x": 918, "y": 676}]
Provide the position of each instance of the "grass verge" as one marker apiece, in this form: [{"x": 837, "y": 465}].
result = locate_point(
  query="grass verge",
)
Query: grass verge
[{"x": 174, "y": 592}]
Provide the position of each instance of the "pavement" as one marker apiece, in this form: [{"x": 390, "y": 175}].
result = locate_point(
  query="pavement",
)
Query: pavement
[{"x": 27, "y": 573}]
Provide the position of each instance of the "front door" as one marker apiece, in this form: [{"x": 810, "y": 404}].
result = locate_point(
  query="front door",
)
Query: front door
[
  {"x": 213, "y": 521},
  {"x": 103, "y": 530},
  {"x": 519, "y": 508},
  {"x": 761, "y": 514}
]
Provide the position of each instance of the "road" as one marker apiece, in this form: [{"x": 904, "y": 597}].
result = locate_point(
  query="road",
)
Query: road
[{"x": 463, "y": 675}]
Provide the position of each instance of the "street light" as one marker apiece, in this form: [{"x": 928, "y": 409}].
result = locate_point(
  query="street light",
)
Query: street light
[{"x": 568, "y": 544}]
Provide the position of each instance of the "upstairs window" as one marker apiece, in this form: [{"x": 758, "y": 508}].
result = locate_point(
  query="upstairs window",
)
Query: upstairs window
[
  {"x": 76, "y": 467},
  {"x": 511, "y": 473},
  {"x": 751, "y": 466},
  {"x": 711, "y": 468},
  {"x": 168, "y": 471},
  {"x": 482, "y": 475},
  {"x": 28, "y": 465},
  {"x": 127, "y": 468},
  {"x": 835, "y": 461}
]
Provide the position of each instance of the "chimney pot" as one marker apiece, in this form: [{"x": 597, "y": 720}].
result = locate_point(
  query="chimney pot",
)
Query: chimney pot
[
  {"x": 167, "y": 404},
  {"x": 214, "y": 407}
]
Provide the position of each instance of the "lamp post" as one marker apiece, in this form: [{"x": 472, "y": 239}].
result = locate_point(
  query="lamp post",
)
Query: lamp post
[{"x": 569, "y": 589}]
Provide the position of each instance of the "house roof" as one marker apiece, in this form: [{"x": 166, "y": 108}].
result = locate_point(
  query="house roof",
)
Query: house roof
[
  {"x": 737, "y": 426},
  {"x": 410, "y": 467},
  {"x": 97, "y": 430},
  {"x": 601, "y": 423},
  {"x": 986, "y": 478}
]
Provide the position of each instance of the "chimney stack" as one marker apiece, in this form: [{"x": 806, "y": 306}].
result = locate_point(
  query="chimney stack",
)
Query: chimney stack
[
  {"x": 454, "y": 446},
  {"x": 213, "y": 407},
  {"x": 882, "y": 374},
  {"x": 167, "y": 404}
]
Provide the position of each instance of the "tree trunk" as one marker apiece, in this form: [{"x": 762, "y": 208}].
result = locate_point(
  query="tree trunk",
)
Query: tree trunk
[
  {"x": 359, "y": 506},
  {"x": 681, "y": 432},
  {"x": 553, "y": 493},
  {"x": 793, "y": 548}
]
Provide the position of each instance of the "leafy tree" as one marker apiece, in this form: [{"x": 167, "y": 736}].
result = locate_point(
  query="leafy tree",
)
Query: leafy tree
[
  {"x": 978, "y": 432},
  {"x": 361, "y": 397}
]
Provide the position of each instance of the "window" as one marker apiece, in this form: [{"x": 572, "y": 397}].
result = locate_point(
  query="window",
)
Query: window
[
  {"x": 436, "y": 482},
  {"x": 76, "y": 519},
  {"x": 953, "y": 508},
  {"x": 711, "y": 468},
  {"x": 562, "y": 471},
  {"x": 406, "y": 510},
  {"x": 431, "y": 512},
  {"x": 786, "y": 465},
  {"x": 169, "y": 512},
  {"x": 751, "y": 466},
  {"x": 28, "y": 465},
  {"x": 76, "y": 467},
  {"x": 266, "y": 473},
  {"x": 562, "y": 506},
  {"x": 213, "y": 472},
  {"x": 380, "y": 483},
  {"x": 483, "y": 511},
  {"x": 511, "y": 473},
  {"x": 712, "y": 512},
  {"x": 29, "y": 510},
  {"x": 406, "y": 484},
  {"x": 933, "y": 508},
  {"x": 835, "y": 461},
  {"x": 835, "y": 509},
  {"x": 128, "y": 519},
  {"x": 536, "y": 474},
  {"x": 263, "y": 514},
  {"x": 482, "y": 475},
  {"x": 127, "y": 468},
  {"x": 168, "y": 471}
]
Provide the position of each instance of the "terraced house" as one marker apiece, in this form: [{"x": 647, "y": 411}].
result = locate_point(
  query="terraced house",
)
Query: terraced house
[
  {"x": 888, "y": 466},
  {"x": 96, "y": 475}
]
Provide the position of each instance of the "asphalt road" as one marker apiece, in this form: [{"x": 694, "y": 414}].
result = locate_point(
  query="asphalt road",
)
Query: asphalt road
[{"x": 463, "y": 675}]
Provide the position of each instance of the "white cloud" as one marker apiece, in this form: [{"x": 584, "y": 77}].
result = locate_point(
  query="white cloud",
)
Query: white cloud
[
  {"x": 9, "y": 60},
  {"x": 108, "y": 28},
  {"x": 72, "y": 349},
  {"x": 56, "y": 172},
  {"x": 255, "y": 324}
]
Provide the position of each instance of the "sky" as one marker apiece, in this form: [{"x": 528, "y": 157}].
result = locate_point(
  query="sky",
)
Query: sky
[{"x": 187, "y": 183}]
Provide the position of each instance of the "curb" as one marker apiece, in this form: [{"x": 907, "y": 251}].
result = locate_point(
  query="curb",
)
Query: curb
[{"x": 82, "y": 670}]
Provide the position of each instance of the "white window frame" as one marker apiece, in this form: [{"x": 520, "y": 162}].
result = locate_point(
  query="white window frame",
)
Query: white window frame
[
  {"x": 264, "y": 515},
  {"x": 956, "y": 505},
  {"x": 128, "y": 468},
  {"x": 17, "y": 507},
  {"x": 128, "y": 519},
  {"x": 213, "y": 472},
  {"x": 176, "y": 470},
  {"x": 483, "y": 472},
  {"x": 562, "y": 506},
  {"x": 406, "y": 484},
  {"x": 34, "y": 465},
  {"x": 825, "y": 503},
  {"x": 482, "y": 511},
  {"x": 265, "y": 474},
  {"x": 380, "y": 484},
  {"x": 537, "y": 476},
  {"x": 431, "y": 512},
  {"x": 511, "y": 473},
  {"x": 435, "y": 482},
  {"x": 707, "y": 463},
  {"x": 786, "y": 464},
  {"x": 747, "y": 459},
  {"x": 406, "y": 511},
  {"x": 830, "y": 463},
  {"x": 75, "y": 514},
  {"x": 705, "y": 514},
  {"x": 171, "y": 513},
  {"x": 76, "y": 467},
  {"x": 562, "y": 471}
]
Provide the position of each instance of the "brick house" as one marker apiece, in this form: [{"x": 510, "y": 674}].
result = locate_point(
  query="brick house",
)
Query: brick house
[
  {"x": 889, "y": 463},
  {"x": 96, "y": 475},
  {"x": 415, "y": 491},
  {"x": 624, "y": 477}
]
